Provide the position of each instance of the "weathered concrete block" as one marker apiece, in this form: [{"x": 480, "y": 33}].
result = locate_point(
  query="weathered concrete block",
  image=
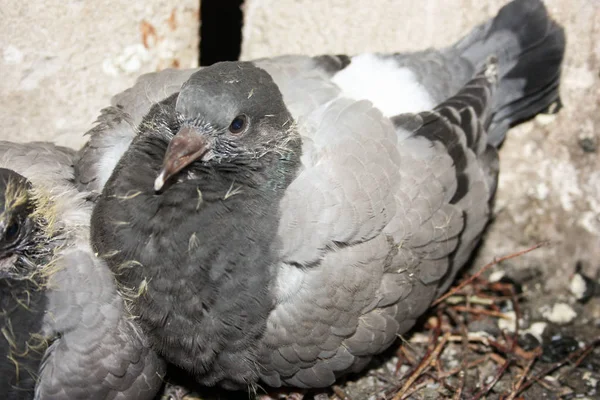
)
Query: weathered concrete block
[
  {"x": 550, "y": 168},
  {"x": 61, "y": 61}
]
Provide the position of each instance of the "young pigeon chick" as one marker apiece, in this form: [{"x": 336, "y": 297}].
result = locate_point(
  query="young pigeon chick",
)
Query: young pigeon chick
[
  {"x": 65, "y": 331},
  {"x": 285, "y": 220},
  {"x": 23, "y": 246}
]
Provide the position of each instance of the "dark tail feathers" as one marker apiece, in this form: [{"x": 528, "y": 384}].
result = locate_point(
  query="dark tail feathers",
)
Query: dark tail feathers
[{"x": 530, "y": 49}]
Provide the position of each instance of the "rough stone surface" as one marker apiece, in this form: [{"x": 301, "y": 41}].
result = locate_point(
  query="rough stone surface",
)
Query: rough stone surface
[
  {"x": 550, "y": 167},
  {"x": 61, "y": 61}
]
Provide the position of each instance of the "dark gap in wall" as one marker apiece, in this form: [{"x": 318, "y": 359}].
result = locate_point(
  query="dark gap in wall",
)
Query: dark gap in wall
[{"x": 220, "y": 30}]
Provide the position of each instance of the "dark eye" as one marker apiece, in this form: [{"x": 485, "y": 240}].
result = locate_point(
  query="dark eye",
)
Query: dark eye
[
  {"x": 12, "y": 232},
  {"x": 239, "y": 123}
]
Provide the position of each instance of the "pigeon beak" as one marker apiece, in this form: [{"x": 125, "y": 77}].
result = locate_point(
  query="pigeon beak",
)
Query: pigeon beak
[{"x": 186, "y": 147}]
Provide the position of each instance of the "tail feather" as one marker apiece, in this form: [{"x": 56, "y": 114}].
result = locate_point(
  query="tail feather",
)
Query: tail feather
[{"x": 530, "y": 48}]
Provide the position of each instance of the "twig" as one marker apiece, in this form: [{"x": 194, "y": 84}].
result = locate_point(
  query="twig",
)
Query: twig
[
  {"x": 464, "y": 283},
  {"x": 515, "y": 305},
  {"x": 489, "y": 387},
  {"x": 430, "y": 345},
  {"x": 516, "y": 388},
  {"x": 577, "y": 362},
  {"x": 407, "y": 354},
  {"x": 480, "y": 311},
  {"x": 528, "y": 355},
  {"x": 414, "y": 389},
  {"x": 382, "y": 378},
  {"x": 472, "y": 337},
  {"x": 580, "y": 354},
  {"x": 549, "y": 385},
  {"x": 425, "y": 364},
  {"x": 475, "y": 299},
  {"x": 500, "y": 347},
  {"x": 465, "y": 349},
  {"x": 446, "y": 374},
  {"x": 437, "y": 379},
  {"x": 461, "y": 385},
  {"x": 497, "y": 358},
  {"x": 339, "y": 392}
]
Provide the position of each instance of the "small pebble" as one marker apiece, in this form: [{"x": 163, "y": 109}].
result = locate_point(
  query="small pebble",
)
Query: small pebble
[
  {"x": 510, "y": 323},
  {"x": 588, "y": 144},
  {"x": 590, "y": 380},
  {"x": 537, "y": 330},
  {"x": 558, "y": 348},
  {"x": 496, "y": 276},
  {"x": 560, "y": 313},
  {"x": 581, "y": 286},
  {"x": 528, "y": 342},
  {"x": 486, "y": 325}
]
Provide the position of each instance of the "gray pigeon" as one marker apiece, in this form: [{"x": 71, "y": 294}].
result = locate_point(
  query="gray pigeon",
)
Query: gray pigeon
[
  {"x": 286, "y": 219},
  {"x": 65, "y": 331}
]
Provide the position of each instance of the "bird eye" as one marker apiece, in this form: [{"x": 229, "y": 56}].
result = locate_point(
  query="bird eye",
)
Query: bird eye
[
  {"x": 238, "y": 125},
  {"x": 12, "y": 232}
]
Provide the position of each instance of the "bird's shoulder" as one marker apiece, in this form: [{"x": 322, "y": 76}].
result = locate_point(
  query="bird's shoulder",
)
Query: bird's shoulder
[
  {"x": 43, "y": 163},
  {"x": 117, "y": 125}
]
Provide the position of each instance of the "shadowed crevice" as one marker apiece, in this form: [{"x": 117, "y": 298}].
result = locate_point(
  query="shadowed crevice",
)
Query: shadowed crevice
[{"x": 220, "y": 31}]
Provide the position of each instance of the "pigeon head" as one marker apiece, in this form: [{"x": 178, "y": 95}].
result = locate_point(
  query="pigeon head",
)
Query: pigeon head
[
  {"x": 24, "y": 233},
  {"x": 227, "y": 114},
  {"x": 15, "y": 213},
  {"x": 21, "y": 301}
]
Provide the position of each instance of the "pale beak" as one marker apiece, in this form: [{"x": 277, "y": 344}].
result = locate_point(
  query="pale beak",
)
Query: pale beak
[{"x": 186, "y": 147}]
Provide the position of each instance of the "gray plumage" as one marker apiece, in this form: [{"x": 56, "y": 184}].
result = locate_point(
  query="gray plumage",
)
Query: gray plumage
[
  {"x": 288, "y": 218},
  {"x": 117, "y": 125},
  {"x": 84, "y": 344}
]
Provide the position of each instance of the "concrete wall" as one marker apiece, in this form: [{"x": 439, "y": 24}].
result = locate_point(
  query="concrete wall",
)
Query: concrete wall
[
  {"x": 550, "y": 186},
  {"x": 61, "y": 60}
]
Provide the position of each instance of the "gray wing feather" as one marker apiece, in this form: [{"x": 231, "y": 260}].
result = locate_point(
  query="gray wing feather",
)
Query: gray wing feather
[
  {"x": 98, "y": 353},
  {"x": 117, "y": 125},
  {"x": 348, "y": 179},
  {"x": 148, "y": 90},
  {"x": 42, "y": 163},
  {"x": 108, "y": 141}
]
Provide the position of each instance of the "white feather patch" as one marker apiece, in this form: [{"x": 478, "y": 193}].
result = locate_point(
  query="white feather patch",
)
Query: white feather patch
[
  {"x": 393, "y": 90},
  {"x": 289, "y": 282},
  {"x": 110, "y": 158}
]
